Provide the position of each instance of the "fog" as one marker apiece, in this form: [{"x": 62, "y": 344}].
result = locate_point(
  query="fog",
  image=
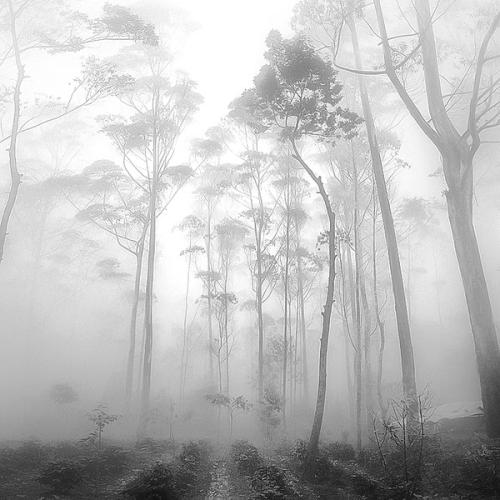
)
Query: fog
[{"x": 275, "y": 222}]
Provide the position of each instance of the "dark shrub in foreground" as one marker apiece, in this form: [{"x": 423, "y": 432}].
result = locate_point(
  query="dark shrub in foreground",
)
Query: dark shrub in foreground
[
  {"x": 340, "y": 451},
  {"x": 157, "y": 483},
  {"x": 108, "y": 462},
  {"x": 473, "y": 472},
  {"x": 246, "y": 457},
  {"x": 61, "y": 476},
  {"x": 194, "y": 454},
  {"x": 272, "y": 483}
]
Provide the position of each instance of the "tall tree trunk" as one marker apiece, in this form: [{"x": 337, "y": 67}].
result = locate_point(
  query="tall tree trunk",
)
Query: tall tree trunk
[
  {"x": 380, "y": 323},
  {"x": 226, "y": 326},
  {"x": 185, "y": 325},
  {"x": 260, "y": 322},
  {"x": 327, "y": 314},
  {"x": 133, "y": 322},
  {"x": 478, "y": 303},
  {"x": 209, "y": 298},
  {"x": 404, "y": 335},
  {"x": 302, "y": 322},
  {"x": 148, "y": 309},
  {"x": 457, "y": 156},
  {"x": 15, "y": 176},
  {"x": 358, "y": 354},
  {"x": 286, "y": 323}
]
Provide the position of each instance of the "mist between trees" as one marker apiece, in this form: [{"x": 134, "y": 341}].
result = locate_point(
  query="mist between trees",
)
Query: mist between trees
[{"x": 318, "y": 263}]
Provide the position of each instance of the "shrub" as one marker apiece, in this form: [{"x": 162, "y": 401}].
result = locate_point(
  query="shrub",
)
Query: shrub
[
  {"x": 61, "y": 476},
  {"x": 246, "y": 457},
  {"x": 456, "y": 472},
  {"x": 157, "y": 483},
  {"x": 109, "y": 461},
  {"x": 194, "y": 454},
  {"x": 340, "y": 451},
  {"x": 271, "y": 483},
  {"x": 29, "y": 454},
  {"x": 148, "y": 445}
]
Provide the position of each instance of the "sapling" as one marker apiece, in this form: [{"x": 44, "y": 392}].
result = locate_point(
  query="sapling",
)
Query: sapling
[{"x": 100, "y": 417}]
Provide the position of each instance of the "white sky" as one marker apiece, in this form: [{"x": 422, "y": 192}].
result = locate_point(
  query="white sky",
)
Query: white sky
[{"x": 225, "y": 49}]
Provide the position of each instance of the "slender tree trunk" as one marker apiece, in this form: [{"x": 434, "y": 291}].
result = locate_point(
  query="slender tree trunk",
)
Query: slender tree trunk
[
  {"x": 185, "y": 325},
  {"x": 327, "y": 314},
  {"x": 148, "y": 309},
  {"x": 347, "y": 331},
  {"x": 133, "y": 322},
  {"x": 285, "y": 323},
  {"x": 260, "y": 322},
  {"x": 358, "y": 354},
  {"x": 405, "y": 342},
  {"x": 15, "y": 176},
  {"x": 380, "y": 323},
  {"x": 209, "y": 298},
  {"x": 226, "y": 326},
  {"x": 302, "y": 322}
]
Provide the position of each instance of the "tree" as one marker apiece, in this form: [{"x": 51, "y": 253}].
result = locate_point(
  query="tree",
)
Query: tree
[
  {"x": 252, "y": 177},
  {"x": 98, "y": 80},
  {"x": 334, "y": 14},
  {"x": 121, "y": 210},
  {"x": 192, "y": 226},
  {"x": 458, "y": 150},
  {"x": 161, "y": 106},
  {"x": 297, "y": 92},
  {"x": 229, "y": 234}
]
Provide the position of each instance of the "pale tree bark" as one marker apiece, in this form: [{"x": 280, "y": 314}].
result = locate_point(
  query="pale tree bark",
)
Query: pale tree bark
[
  {"x": 358, "y": 352},
  {"x": 148, "y": 308},
  {"x": 404, "y": 334},
  {"x": 376, "y": 305},
  {"x": 302, "y": 327},
  {"x": 457, "y": 152},
  {"x": 133, "y": 321},
  {"x": 209, "y": 296},
  {"x": 15, "y": 176}
]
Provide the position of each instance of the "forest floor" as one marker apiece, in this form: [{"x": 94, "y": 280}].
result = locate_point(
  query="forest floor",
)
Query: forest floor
[{"x": 466, "y": 469}]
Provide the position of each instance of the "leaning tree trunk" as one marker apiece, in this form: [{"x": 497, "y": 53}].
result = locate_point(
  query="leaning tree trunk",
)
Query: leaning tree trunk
[
  {"x": 15, "y": 176},
  {"x": 312, "y": 449},
  {"x": 403, "y": 324},
  {"x": 478, "y": 302}
]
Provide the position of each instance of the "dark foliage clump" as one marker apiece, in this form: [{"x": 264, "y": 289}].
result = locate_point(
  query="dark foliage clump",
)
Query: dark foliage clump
[
  {"x": 61, "y": 476},
  {"x": 108, "y": 462},
  {"x": 340, "y": 451},
  {"x": 187, "y": 476},
  {"x": 271, "y": 482},
  {"x": 151, "y": 446},
  {"x": 30, "y": 454},
  {"x": 194, "y": 454},
  {"x": 246, "y": 457},
  {"x": 157, "y": 483},
  {"x": 473, "y": 471}
]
